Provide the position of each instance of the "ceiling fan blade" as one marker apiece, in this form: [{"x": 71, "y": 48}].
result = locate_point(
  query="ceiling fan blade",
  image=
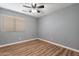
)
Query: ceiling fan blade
[
  {"x": 42, "y": 6},
  {"x": 35, "y": 5},
  {"x": 26, "y": 6},
  {"x": 24, "y": 10},
  {"x": 32, "y": 5},
  {"x": 27, "y": 11},
  {"x": 38, "y": 11}
]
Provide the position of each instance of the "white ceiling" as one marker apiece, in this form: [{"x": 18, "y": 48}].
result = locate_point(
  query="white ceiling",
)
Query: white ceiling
[{"x": 49, "y": 8}]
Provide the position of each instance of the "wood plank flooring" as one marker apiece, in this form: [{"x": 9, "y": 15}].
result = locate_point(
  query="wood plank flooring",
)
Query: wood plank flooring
[{"x": 36, "y": 48}]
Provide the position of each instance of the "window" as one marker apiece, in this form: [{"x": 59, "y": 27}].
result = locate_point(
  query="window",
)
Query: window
[
  {"x": 19, "y": 24},
  {"x": 12, "y": 24}
]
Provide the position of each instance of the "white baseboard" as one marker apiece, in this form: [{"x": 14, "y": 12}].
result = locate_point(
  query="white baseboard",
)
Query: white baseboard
[
  {"x": 59, "y": 45},
  {"x": 41, "y": 40},
  {"x": 16, "y": 42}
]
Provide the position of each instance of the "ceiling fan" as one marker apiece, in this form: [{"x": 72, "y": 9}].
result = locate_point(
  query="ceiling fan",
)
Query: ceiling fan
[{"x": 34, "y": 8}]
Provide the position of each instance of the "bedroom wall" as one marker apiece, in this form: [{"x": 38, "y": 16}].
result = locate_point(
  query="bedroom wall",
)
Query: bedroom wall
[
  {"x": 61, "y": 26},
  {"x": 30, "y": 30}
]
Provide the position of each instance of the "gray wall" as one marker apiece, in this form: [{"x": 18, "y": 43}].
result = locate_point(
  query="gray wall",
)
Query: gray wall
[
  {"x": 30, "y": 32},
  {"x": 61, "y": 26}
]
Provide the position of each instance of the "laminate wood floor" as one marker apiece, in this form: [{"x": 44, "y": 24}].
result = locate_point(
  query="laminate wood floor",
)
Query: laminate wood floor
[{"x": 36, "y": 48}]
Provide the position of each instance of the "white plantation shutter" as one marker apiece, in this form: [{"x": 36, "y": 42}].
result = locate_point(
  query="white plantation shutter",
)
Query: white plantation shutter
[
  {"x": 20, "y": 24},
  {"x": 12, "y": 24}
]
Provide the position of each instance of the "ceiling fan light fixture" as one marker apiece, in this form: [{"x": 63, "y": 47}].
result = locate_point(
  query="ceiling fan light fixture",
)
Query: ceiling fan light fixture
[
  {"x": 34, "y": 8},
  {"x": 34, "y": 11}
]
